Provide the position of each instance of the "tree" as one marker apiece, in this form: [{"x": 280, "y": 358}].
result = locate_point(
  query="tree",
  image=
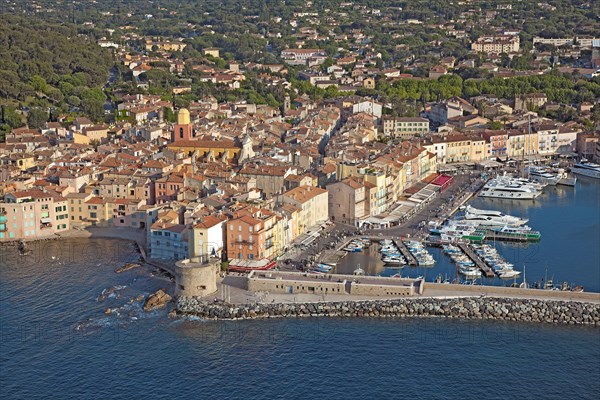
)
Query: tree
[
  {"x": 36, "y": 118},
  {"x": 92, "y": 103},
  {"x": 596, "y": 114},
  {"x": 74, "y": 101},
  {"x": 11, "y": 117},
  {"x": 326, "y": 64},
  {"x": 169, "y": 115},
  {"x": 38, "y": 83},
  {"x": 495, "y": 125}
]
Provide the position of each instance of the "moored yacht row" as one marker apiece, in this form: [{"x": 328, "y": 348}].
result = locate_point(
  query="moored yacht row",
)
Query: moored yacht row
[
  {"x": 491, "y": 257},
  {"x": 391, "y": 255},
  {"x": 419, "y": 251},
  {"x": 465, "y": 265}
]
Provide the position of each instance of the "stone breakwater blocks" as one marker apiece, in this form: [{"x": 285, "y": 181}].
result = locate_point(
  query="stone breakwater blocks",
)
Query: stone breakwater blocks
[{"x": 545, "y": 311}]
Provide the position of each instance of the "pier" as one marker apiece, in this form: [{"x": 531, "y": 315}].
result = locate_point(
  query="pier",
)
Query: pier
[
  {"x": 487, "y": 271},
  {"x": 410, "y": 259},
  {"x": 332, "y": 257}
]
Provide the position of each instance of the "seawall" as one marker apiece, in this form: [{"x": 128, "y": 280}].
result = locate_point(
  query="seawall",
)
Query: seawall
[{"x": 477, "y": 308}]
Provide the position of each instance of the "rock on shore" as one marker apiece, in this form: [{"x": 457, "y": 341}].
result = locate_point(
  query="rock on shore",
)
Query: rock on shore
[
  {"x": 488, "y": 308},
  {"x": 127, "y": 267},
  {"x": 156, "y": 300}
]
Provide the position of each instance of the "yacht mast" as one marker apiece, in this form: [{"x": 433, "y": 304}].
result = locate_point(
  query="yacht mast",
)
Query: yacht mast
[{"x": 528, "y": 144}]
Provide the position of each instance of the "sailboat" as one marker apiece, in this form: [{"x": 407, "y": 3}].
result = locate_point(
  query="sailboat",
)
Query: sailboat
[
  {"x": 523, "y": 284},
  {"x": 548, "y": 284}
]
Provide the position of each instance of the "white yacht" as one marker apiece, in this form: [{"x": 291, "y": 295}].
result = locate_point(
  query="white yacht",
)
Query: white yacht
[
  {"x": 492, "y": 218},
  {"x": 541, "y": 175},
  {"x": 586, "y": 168},
  {"x": 537, "y": 185},
  {"x": 509, "y": 189},
  {"x": 470, "y": 272}
]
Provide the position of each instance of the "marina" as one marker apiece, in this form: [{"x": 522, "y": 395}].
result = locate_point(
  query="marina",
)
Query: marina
[{"x": 513, "y": 241}]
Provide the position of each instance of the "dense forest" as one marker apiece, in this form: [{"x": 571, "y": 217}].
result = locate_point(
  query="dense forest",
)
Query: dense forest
[
  {"x": 248, "y": 30},
  {"x": 51, "y": 68}
]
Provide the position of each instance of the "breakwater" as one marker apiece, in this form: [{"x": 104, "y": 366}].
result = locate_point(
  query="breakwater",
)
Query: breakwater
[{"x": 483, "y": 308}]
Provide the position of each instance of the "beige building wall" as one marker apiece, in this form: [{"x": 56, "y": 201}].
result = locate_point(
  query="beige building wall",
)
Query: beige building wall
[
  {"x": 346, "y": 202},
  {"x": 313, "y": 203}
]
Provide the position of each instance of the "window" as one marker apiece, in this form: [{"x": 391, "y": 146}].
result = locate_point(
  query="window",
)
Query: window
[
  {"x": 239, "y": 228},
  {"x": 181, "y": 133}
]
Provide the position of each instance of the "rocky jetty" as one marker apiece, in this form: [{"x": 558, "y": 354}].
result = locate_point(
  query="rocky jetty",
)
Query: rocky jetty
[
  {"x": 157, "y": 300},
  {"x": 127, "y": 267},
  {"x": 483, "y": 308}
]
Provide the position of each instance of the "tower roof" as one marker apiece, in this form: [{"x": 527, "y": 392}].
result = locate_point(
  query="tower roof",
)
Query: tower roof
[{"x": 183, "y": 117}]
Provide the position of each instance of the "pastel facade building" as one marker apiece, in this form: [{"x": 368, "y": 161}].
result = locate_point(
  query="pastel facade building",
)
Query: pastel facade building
[
  {"x": 32, "y": 214},
  {"x": 206, "y": 236},
  {"x": 168, "y": 241},
  {"x": 405, "y": 127},
  {"x": 251, "y": 235},
  {"x": 313, "y": 205}
]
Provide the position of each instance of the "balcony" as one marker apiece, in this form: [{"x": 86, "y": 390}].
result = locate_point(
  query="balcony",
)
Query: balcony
[{"x": 45, "y": 225}]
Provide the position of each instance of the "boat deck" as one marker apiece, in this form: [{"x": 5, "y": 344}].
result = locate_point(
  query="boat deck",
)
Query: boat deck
[{"x": 510, "y": 237}]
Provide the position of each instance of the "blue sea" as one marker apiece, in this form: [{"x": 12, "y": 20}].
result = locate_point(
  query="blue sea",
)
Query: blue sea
[{"x": 57, "y": 342}]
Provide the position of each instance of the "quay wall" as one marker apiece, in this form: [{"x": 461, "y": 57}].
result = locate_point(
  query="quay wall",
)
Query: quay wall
[
  {"x": 476, "y": 308},
  {"x": 503, "y": 291}
]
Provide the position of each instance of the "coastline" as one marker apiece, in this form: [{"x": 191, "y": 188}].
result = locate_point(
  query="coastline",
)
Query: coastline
[{"x": 135, "y": 235}]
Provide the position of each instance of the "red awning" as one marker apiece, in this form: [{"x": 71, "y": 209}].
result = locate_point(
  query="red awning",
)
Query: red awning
[{"x": 442, "y": 180}]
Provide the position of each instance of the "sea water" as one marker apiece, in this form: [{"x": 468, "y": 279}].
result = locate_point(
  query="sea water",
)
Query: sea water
[{"x": 57, "y": 342}]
